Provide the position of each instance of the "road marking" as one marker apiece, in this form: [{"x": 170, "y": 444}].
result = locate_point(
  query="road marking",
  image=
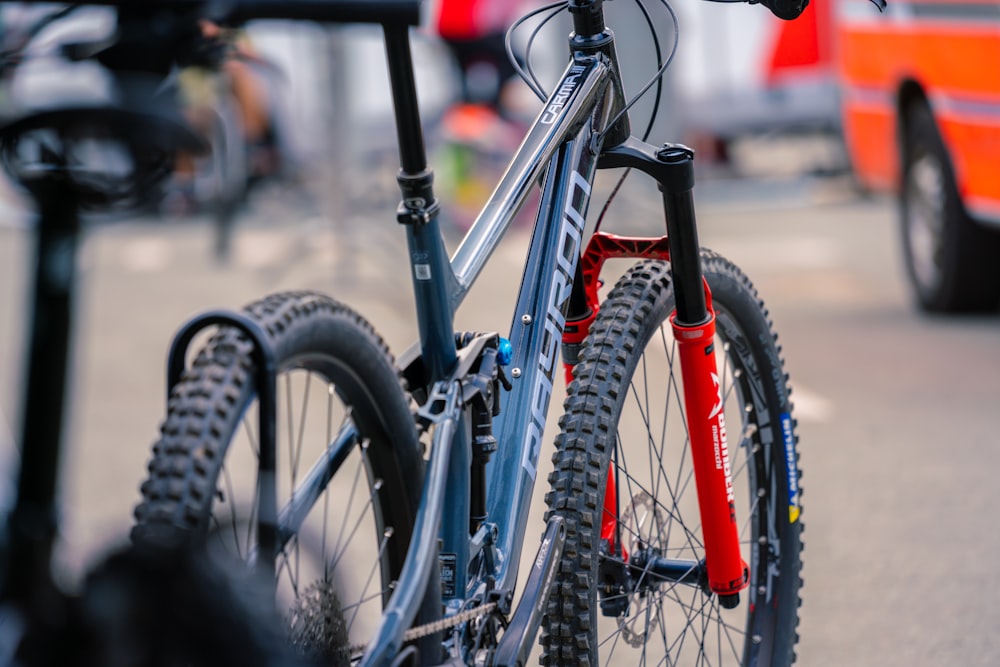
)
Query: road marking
[
  {"x": 146, "y": 255},
  {"x": 781, "y": 254},
  {"x": 258, "y": 249}
]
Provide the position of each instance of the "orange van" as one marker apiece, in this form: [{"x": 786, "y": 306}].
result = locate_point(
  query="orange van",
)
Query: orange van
[{"x": 920, "y": 101}]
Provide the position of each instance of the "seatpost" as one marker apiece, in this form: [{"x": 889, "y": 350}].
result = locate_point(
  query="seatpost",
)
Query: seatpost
[{"x": 418, "y": 211}]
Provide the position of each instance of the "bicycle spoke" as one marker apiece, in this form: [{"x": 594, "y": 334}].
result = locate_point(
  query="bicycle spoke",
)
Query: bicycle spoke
[
  {"x": 302, "y": 430},
  {"x": 252, "y": 521},
  {"x": 326, "y": 494},
  {"x": 375, "y": 488},
  {"x": 350, "y": 503},
  {"x": 372, "y": 572},
  {"x": 289, "y": 414},
  {"x": 284, "y": 564},
  {"x": 233, "y": 519},
  {"x": 248, "y": 428}
]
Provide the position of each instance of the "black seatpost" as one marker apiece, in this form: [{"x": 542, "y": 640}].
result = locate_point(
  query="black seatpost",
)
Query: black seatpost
[{"x": 33, "y": 522}]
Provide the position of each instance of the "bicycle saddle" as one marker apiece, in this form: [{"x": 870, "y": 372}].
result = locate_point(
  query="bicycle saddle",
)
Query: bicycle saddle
[{"x": 109, "y": 157}]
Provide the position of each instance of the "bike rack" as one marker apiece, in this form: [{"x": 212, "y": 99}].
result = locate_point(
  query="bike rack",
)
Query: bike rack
[{"x": 265, "y": 373}]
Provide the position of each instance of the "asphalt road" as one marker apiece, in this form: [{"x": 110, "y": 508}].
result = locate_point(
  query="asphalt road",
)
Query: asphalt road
[{"x": 898, "y": 412}]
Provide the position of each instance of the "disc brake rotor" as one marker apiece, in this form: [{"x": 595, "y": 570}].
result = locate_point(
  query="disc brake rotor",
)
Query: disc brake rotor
[{"x": 643, "y": 525}]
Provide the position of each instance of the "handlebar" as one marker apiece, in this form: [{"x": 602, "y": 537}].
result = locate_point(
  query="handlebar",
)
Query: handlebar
[
  {"x": 784, "y": 9},
  {"x": 405, "y": 12},
  {"x": 398, "y": 12}
]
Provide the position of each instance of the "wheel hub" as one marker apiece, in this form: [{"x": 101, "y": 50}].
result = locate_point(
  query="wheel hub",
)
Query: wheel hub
[{"x": 925, "y": 219}]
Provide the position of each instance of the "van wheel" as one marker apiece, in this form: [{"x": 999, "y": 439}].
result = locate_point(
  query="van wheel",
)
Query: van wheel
[{"x": 953, "y": 263}]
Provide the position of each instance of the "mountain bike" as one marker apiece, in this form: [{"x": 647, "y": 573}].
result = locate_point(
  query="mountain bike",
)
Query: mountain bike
[
  {"x": 389, "y": 498},
  {"x": 148, "y": 604}
]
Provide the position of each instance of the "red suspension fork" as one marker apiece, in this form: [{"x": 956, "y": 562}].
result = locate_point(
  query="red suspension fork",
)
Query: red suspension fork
[
  {"x": 693, "y": 324},
  {"x": 703, "y": 405},
  {"x": 694, "y": 329}
]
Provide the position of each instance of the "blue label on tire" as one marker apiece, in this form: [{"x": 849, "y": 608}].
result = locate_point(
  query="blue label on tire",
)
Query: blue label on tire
[{"x": 792, "y": 467}]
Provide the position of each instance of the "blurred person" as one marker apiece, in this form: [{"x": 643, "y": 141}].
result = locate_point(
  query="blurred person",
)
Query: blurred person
[
  {"x": 485, "y": 123},
  {"x": 240, "y": 78},
  {"x": 473, "y": 31},
  {"x": 493, "y": 106}
]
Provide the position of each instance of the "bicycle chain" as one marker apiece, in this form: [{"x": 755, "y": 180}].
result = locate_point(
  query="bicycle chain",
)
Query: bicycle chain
[{"x": 437, "y": 626}]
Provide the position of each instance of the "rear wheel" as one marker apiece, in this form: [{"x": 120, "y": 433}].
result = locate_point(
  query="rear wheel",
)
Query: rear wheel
[
  {"x": 349, "y": 466},
  {"x": 953, "y": 263},
  {"x": 624, "y": 414}
]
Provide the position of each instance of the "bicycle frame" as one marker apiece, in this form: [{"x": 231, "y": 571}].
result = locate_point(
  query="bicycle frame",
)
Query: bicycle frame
[
  {"x": 564, "y": 145},
  {"x": 581, "y": 128}
]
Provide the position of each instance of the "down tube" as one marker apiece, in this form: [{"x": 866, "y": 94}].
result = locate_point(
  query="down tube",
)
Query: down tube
[{"x": 545, "y": 289}]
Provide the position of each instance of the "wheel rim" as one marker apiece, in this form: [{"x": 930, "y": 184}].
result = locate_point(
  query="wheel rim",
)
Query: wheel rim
[
  {"x": 924, "y": 219},
  {"x": 671, "y": 623},
  {"x": 332, "y": 574}
]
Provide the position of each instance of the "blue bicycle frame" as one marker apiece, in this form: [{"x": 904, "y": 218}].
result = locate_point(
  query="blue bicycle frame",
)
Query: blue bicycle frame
[{"x": 563, "y": 145}]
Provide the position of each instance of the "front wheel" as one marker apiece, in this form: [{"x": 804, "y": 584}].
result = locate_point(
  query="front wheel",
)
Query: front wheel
[{"x": 624, "y": 414}]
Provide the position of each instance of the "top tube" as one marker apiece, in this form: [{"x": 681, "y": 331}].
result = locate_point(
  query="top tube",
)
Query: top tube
[{"x": 397, "y": 12}]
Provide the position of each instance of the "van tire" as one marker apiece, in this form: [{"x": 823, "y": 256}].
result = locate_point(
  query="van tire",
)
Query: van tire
[{"x": 953, "y": 262}]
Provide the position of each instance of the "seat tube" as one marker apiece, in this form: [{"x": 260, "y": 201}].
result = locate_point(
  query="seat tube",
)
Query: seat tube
[
  {"x": 430, "y": 267},
  {"x": 693, "y": 324}
]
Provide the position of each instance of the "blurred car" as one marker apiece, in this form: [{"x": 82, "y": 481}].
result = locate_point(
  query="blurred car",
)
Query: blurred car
[
  {"x": 744, "y": 73},
  {"x": 920, "y": 98}
]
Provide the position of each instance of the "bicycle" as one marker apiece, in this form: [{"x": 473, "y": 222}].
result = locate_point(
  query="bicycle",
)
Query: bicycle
[
  {"x": 242, "y": 152},
  {"x": 147, "y": 604},
  {"x": 644, "y": 552}
]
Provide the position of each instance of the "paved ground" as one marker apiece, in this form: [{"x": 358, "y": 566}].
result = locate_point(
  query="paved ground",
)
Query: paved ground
[{"x": 897, "y": 411}]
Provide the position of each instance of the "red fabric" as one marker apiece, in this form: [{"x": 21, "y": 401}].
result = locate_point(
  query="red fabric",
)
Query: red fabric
[
  {"x": 457, "y": 19},
  {"x": 801, "y": 44},
  {"x": 472, "y": 19}
]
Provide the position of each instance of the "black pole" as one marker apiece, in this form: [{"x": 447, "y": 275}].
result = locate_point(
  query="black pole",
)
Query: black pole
[{"x": 34, "y": 519}]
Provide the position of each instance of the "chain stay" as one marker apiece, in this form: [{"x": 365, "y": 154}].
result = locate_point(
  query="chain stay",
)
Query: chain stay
[{"x": 437, "y": 626}]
